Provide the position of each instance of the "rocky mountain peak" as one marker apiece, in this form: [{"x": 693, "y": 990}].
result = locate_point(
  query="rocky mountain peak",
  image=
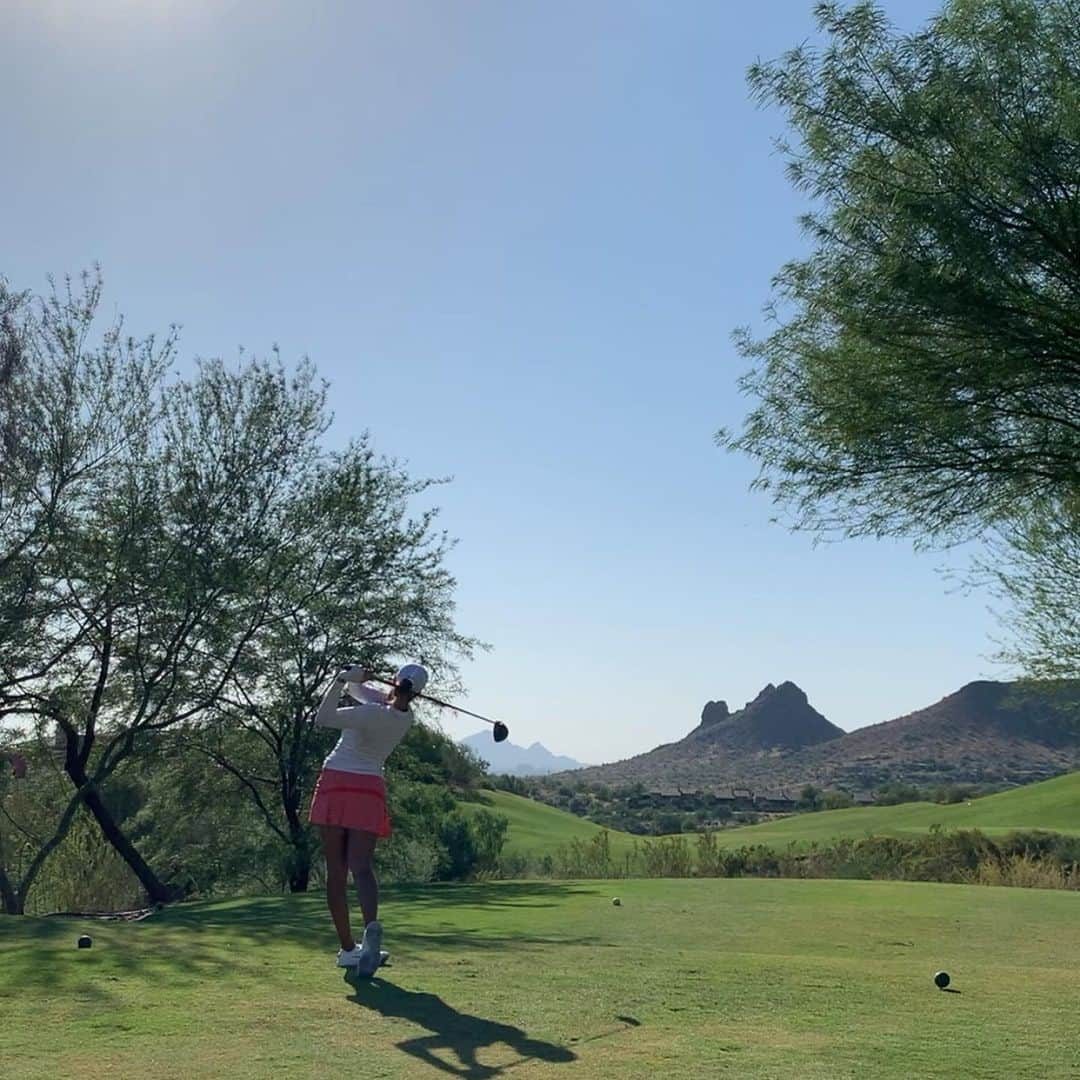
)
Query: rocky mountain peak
[{"x": 714, "y": 712}]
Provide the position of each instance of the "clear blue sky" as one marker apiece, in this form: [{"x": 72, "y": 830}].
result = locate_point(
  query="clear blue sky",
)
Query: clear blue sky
[{"x": 537, "y": 223}]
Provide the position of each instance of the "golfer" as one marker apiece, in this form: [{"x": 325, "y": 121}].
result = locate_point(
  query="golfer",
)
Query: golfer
[{"x": 349, "y": 804}]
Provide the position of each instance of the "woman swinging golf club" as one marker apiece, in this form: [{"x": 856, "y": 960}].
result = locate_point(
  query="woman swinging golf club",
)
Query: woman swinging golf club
[{"x": 349, "y": 804}]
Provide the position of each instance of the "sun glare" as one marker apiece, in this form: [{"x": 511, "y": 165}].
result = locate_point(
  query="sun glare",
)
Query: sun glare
[{"x": 122, "y": 18}]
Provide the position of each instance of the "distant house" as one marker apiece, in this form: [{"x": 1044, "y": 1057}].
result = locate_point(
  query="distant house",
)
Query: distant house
[
  {"x": 776, "y": 802},
  {"x": 769, "y": 801}
]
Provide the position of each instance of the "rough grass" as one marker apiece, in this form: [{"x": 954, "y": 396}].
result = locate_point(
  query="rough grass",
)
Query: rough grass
[{"x": 741, "y": 978}]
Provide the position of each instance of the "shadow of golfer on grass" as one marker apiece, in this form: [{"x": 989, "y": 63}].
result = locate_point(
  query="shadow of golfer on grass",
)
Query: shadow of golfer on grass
[{"x": 459, "y": 1033}]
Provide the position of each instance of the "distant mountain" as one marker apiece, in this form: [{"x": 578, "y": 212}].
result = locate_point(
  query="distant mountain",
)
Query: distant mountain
[
  {"x": 987, "y": 732},
  {"x": 505, "y": 757}
]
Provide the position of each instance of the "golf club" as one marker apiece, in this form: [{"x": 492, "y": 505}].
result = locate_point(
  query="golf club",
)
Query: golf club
[{"x": 500, "y": 732}]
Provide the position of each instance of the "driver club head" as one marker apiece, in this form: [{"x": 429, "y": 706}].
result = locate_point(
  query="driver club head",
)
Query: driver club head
[{"x": 500, "y": 732}]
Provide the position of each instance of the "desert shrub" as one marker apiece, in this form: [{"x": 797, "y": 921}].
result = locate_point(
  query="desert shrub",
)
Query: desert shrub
[
  {"x": 85, "y": 873},
  {"x": 586, "y": 858},
  {"x": 458, "y": 854},
  {"x": 949, "y": 794},
  {"x": 1032, "y": 859},
  {"x": 470, "y": 844},
  {"x": 668, "y": 822},
  {"x": 1062, "y": 849},
  {"x": 1024, "y": 872},
  {"x": 669, "y": 856},
  {"x": 514, "y": 864},
  {"x": 709, "y": 859},
  {"x": 836, "y": 800},
  {"x": 489, "y": 833},
  {"x": 894, "y": 793},
  {"x": 407, "y": 860}
]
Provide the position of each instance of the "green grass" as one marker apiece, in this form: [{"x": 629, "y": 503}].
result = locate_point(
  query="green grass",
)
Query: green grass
[
  {"x": 1052, "y": 804},
  {"x": 537, "y": 829},
  {"x": 740, "y": 978}
]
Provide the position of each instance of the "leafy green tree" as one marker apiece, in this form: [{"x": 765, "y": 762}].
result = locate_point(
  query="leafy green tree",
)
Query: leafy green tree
[
  {"x": 896, "y": 792},
  {"x": 36, "y": 814},
  {"x": 166, "y": 527},
  {"x": 922, "y": 375},
  {"x": 70, "y": 406},
  {"x": 186, "y": 564},
  {"x": 366, "y": 582},
  {"x": 489, "y": 831},
  {"x": 73, "y": 404},
  {"x": 1033, "y": 568},
  {"x": 194, "y": 824},
  {"x": 809, "y": 798},
  {"x": 836, "y": 800}
]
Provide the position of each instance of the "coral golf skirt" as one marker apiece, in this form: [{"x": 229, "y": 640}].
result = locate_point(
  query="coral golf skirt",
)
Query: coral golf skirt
[{"x": 350, "y": 801}]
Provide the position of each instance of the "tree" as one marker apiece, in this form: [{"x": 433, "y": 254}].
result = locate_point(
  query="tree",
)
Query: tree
[
  {"x": 922, "y": 375},
  {"x": 366, "y": 582},
  {"x": 186, "y": 564},
  {"x": 836, "y": 800},
  {"x": 36, "y": 814},
  {"x": 12, "y": 363},
  {"x": 69, "y": 409},
  {"x": 1035, "y": 568},
  {"x": 162, "y": 533}
]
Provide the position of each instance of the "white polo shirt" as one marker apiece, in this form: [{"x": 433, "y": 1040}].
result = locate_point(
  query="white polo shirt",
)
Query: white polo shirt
[{"x": 369, "y": 731}]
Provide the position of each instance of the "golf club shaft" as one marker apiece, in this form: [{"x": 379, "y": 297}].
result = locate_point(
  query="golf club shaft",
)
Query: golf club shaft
[{"x": 436, "y": 701}]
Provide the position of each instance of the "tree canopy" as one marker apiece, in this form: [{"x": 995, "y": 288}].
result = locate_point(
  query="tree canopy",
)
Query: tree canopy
[
  {"x": 922, "y": 371},
  {"x": 182, "y": 555}
]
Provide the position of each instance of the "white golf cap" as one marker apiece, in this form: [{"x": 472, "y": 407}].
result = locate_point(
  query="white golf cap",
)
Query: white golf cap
[{"x": 416, "y": 675}]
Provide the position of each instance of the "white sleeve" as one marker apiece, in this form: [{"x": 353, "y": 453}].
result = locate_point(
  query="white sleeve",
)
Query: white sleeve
[
  {"x": 351, "y": 718},
  {"x": 328, "y": 706}
]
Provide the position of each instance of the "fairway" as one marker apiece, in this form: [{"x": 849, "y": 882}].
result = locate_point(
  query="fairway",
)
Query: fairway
[
  {"x": 747, "y": 978},
  {"x": 537, "y": 829},
  {"x": 1052, "y": 805}
]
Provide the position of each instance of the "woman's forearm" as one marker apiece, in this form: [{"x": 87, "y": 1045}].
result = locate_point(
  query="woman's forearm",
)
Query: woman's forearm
[{"x": 329, "y": 704}]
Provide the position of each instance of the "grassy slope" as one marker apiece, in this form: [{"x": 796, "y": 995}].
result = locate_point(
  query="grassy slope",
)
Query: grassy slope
[
  {"x": 741, "y": 978},
  {"x": 538, "y": 829},
  {"x": 1052, "y": 804}
]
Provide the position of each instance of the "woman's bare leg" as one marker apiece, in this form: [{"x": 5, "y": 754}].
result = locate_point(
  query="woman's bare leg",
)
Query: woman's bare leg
[
  {"x": 360, "y": 855},
  {"x": 335, "y": 847}
]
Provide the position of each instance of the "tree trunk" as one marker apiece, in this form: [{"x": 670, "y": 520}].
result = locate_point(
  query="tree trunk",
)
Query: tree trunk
[
  {"x": 299, "y": 864},
  {"x": 299, "y": 868},
  {"x": 156, "y": 890},
  {"x": 12, "y": 904}
]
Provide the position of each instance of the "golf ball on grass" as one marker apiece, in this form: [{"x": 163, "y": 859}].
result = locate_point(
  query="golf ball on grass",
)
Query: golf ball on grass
[{"x": 941, "y": 979}]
